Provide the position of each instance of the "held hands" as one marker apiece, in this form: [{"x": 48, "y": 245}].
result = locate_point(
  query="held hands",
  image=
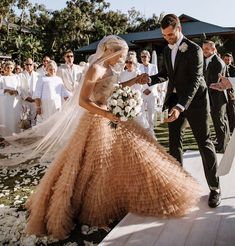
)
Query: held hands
[
  {"x": 224, "y": 84},
  {"x": 146, "y": 92},
  {"x": 173, "y": 114},
  {"x": 142, "y": 78}
]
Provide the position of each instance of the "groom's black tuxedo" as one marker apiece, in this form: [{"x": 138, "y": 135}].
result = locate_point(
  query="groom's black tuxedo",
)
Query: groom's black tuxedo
[
  {"x": 188, "y": 88},
  {"x": 186, "y": 77}
]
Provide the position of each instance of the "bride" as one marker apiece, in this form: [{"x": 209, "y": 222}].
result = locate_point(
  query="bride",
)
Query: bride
[{"x": 103, "y": 173}]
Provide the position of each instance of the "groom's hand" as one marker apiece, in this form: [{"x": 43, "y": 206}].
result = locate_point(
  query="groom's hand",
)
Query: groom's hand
[
  {"x": 173, "y": 114},
  {"x": 143, "y": 78}
]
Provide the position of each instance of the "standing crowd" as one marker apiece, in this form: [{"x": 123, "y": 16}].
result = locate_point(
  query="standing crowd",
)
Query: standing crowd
[{"x": 30, "y": 95}]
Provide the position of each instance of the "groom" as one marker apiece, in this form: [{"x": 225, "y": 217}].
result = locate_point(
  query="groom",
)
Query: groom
[{"x": 187, "y": 99}]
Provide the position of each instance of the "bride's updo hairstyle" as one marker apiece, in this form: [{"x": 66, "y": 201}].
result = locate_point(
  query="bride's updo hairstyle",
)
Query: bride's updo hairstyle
[{"x": 109, "y": 42}]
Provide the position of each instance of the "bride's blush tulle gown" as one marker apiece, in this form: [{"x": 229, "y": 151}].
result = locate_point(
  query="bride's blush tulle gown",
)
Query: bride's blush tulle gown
[{"x": 104, "y": 173}]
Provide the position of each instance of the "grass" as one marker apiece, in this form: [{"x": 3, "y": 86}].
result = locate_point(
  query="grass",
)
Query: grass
[{"x": 189, "y": 142}]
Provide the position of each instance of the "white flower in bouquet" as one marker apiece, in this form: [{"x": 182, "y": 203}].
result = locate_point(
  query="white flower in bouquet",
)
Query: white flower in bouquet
[
  {"x": 127, "y": 109},
  {"x": 133, "y": 102},
  {"x": 128, "y": 105},
  {"x": 123, "y": 118},
  {"x": 115, "y": 95},
  {"x": 120, "y": 102},
  {"x": 114, "y": 102},
  {"x": 117, "y": 110}
]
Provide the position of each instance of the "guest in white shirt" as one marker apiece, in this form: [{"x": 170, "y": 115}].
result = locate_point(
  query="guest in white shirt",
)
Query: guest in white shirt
[
  {"x": 69, "y": 72},
  {"x": 10, "y": 101},
  {"x": 42, "y": 69},
  {"x": 28, "y": 79},
  {"x": 150, "y": 94},
  {"x": 50, "y": 93},
  {"x": 130, "y": 73}
]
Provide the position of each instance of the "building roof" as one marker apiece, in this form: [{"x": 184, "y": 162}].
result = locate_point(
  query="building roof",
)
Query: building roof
[
  {"x": 129, "y": 38},
  {"x": 191, "y": 28}
]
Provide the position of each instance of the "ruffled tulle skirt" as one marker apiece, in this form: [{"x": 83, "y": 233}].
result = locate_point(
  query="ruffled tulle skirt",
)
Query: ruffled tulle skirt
[{"x": 103, "y": 174}]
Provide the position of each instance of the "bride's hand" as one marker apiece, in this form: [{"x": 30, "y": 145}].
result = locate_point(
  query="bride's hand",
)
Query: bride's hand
[{"x": 115, "y": 119}]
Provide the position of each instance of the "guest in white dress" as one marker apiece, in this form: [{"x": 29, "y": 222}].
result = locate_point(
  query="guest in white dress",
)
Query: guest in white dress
[
  {"x": 10, "y": 101},
  {"x": 28, "y": 80},
  {"x": 150, "y": 94},
  {"x": 49, "y": 93},
  {"x": 130, "y": 73},
  {"x": 69, "y": 72}
]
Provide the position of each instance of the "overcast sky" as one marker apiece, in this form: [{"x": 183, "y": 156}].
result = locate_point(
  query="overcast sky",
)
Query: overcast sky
[{"x": 220, "y": 13}]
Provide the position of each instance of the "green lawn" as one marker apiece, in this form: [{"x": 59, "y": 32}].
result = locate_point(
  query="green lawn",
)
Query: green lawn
[{"x": 189, "y": 142}]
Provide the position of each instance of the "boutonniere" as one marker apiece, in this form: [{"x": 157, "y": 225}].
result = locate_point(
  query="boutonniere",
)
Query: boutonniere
[{"x": 183, "y": 47}]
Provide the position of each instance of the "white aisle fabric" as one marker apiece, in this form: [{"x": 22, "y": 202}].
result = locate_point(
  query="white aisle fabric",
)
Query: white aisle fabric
[
  {"x": 228, "y": 157},
  {"x": 11, "y": 106}
]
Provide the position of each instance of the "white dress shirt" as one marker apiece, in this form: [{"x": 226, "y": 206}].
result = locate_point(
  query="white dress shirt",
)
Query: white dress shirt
[
  {"x": 28, "y": 83},
  {"x": 71, "y": 75},
  {"x": 208, "y": 60},
  {"x": 175, "y": 48}
]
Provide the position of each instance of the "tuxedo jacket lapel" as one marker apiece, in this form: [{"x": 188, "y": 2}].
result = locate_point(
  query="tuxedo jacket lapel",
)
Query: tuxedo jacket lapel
[
  {"x": 169, "y": 63},
  {"x": 179, "y": 54}
]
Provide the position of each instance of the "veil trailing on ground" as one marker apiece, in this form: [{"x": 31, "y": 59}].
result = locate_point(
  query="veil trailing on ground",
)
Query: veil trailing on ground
[{"x": 45, "y": 139}]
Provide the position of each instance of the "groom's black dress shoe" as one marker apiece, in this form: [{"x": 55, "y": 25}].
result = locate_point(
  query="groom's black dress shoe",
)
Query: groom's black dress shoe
[{"x": 214, "y": 199}]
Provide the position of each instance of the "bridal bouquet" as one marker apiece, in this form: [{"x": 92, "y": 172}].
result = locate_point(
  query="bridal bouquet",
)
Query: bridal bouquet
[{"x": 124, "y": 103}]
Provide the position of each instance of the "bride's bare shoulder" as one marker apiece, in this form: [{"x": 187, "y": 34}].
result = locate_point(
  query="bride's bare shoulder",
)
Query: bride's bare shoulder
[{"x": 95, "y": 71}]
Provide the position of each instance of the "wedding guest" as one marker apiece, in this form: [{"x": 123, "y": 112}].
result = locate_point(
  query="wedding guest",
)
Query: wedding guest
[
  {"x": 49, "y": 93},
  {"x": 3, "y": 68},
  {"x": 18, "y": 69},
  {"x": 230, "y": 72},
  {"x": 69, "y": 72},
  {"x": 10, "y": 108},
  {"x": 150, "y": 94},
  {"x": 42, "y": 69},
  {"x": 28, "y": 79},
  {"x": 218, "y": 100},
  {"x": 130, "y": 72},
  {"x": 187, "y": 99}
]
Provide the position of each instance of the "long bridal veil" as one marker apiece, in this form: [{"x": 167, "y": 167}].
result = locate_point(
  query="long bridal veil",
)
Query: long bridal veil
[{"x": 47, "y": 138}]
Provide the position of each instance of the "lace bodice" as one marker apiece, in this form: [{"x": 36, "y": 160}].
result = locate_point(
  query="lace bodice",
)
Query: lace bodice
[{"x": 103, "y": 89}]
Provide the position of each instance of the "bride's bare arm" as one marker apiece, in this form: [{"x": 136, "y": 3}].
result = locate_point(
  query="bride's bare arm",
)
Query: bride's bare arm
[
  {"x": 139, "y": 79},
  {"x": 92, "y": 75}
]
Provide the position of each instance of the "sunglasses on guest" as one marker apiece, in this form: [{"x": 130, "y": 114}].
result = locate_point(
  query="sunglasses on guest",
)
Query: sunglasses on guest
[
  {"x": 69, "y": 56},
  {"x": 143, "y": 56},
  {"x": 28, "y": 64},
  {"x": 128, "y": 62}
]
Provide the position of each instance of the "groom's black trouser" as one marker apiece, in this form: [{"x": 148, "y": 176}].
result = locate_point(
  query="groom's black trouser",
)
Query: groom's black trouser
[{"x": 199, "y": 121}]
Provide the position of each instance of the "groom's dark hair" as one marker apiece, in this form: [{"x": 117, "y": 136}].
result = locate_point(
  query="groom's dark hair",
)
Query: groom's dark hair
[{"x": 170, "y": 20}]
